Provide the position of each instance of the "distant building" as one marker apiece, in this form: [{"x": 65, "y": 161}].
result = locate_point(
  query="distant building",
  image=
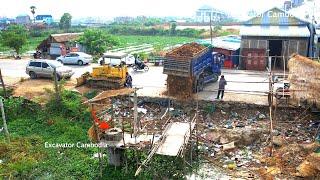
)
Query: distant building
[
  {"x": 277, "y": 34},
  {"x": 296, "y": 3},
  {"x": 204, "y": 13},
  {"x": 57, "y": 44},
  {"x": 123, "y": 19},
  {"x": 23, "y": 19},
  {"x": 287, "y": 5},
  {"x": 47, "y": 19}
]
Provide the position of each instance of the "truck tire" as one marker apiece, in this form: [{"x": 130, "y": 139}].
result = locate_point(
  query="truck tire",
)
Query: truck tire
[
  {"x": 215, "y": 77},
  {"x": 201, "y": 84}
]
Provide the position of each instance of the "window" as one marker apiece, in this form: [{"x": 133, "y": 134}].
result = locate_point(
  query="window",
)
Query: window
[
  {"x": 45, "y": 65},
  {"x": 35, "y": 64},
  {"x": 198, "y": 13}
]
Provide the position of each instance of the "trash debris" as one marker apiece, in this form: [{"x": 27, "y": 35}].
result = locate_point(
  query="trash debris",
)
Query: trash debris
[
  {"x": 309, "y": 167},
  {"x": 96, "y": 155},
  {"x": 142, "y": 110},
  {"x": 228, "y": 146},
  {"x": 278, "y": 141}
]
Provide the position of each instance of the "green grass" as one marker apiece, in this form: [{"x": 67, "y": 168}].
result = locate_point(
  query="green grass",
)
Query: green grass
[
  {"x": 125, "y": 41},
  {"x": 159, "y": 41},
  {"x": 31, "y": 126}
]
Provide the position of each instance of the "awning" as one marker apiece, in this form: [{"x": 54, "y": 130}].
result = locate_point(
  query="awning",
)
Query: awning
[{"x": 276, "y": 31}]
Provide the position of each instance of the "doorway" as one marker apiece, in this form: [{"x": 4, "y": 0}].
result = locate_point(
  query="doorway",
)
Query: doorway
[{"x": 275, "y": 47}]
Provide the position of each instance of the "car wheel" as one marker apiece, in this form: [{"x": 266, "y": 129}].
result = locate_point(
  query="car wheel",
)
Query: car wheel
[
  {"x": 32, "y": 75},
  {"x": 146, "y": 68},
  {"x": 58, "y": 77},
  {"x": 80, "y": 63},
  {"x": 135, "y": 68}
]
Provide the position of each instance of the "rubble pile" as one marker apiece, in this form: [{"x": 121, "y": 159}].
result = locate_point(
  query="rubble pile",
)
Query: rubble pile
[
  {"x": 186, "y": 52},
  {"x": 234, "y": 137}
]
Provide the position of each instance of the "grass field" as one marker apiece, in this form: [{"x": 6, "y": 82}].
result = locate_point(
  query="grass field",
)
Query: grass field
[{"x": 158, "y": 42}]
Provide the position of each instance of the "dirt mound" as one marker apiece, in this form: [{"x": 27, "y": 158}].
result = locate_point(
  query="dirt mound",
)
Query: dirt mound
[
  {"x": 188, "y": 50},
  {"x": 36, "y": 89},
  {"x": 179, "y": 87}
]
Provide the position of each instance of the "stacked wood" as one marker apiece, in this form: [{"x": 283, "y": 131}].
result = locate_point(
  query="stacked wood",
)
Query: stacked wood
[
  {"x": 304, "y": 76},
  {"x": 180, "y": 87},
  {"x": 186, "y": 52}
]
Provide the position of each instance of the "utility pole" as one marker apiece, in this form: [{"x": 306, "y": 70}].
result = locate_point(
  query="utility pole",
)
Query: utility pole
[
  {"x": 4, "y": 121},
  {"x": 211, "y": 27}
]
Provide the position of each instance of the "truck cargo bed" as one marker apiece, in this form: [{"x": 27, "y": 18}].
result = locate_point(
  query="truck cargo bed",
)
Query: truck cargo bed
[{"x": 187, "y": 66}]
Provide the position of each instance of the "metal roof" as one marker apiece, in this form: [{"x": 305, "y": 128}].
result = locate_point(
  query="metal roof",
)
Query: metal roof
[
  {"x": 276, "y": 16},
  {"x": 58, "y": 38},
  {"x": 117, "y": 55},
  {"x": 276, "y": 31},
  {"x": 225, "y": 42}
]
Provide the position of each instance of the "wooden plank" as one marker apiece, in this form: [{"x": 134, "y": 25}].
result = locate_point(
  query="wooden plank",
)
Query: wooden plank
[{"x": 177, "y": 134}]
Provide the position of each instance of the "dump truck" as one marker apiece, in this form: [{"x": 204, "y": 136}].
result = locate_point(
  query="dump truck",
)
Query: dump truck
[
  {"x": 189, "y": 67},
  {"x": 105, "y": 77}
]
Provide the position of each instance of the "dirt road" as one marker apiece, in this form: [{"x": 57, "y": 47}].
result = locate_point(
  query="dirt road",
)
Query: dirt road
[{"x": 153, "y": 82}]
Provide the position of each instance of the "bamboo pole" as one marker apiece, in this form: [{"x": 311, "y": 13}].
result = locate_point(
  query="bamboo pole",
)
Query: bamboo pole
[
  {"x": 4, "y": 121},
  {"x": 135, "y": 116},
  {"x": 3, "y": 85},
  {"x": 56, "y": 88}
]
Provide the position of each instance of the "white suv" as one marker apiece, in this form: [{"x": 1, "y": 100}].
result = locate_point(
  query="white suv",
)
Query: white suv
[
  {"x": 45, "y": 68},
  {"x": 79, "y": 58}
]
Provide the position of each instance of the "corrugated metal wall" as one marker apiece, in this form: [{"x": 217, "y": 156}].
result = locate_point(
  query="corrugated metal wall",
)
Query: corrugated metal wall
[{"x": 289, "y": 46}]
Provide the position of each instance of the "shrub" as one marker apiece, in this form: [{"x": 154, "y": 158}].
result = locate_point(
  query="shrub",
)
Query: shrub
[{"x": 70, "y": 105}]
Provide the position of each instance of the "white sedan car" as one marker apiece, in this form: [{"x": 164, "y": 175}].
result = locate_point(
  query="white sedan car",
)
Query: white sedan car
[{"x": 79, "y": 58}]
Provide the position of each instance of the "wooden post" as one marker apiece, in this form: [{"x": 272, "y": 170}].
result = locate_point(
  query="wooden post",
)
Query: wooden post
[
  {"x": 4, "y": 121},
  {"x": 3, "y": 85},
  {"x": 98, "y": 141},
  {"x": 271, "y": 112},
  {"x": 135, "y": 115}
]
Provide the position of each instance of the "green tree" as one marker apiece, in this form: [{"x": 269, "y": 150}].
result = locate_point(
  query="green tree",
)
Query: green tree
[
  {"x": 33, "y": 8},
  {"x": 65, "y": 21},
  {"x": 97, "y": 41},
  {"x": 173, "y": 28},
  {"x": 15, "y": 36}
]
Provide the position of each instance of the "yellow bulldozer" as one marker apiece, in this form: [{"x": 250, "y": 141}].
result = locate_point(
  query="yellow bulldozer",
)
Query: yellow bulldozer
[{"x": 104, "y": 77}]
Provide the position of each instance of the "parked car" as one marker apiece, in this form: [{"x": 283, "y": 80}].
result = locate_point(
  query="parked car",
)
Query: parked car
[
  {"x": 79, "y": 58},
  {"x": 44, "y": 68},
  {"x": 116, "y": 58}
]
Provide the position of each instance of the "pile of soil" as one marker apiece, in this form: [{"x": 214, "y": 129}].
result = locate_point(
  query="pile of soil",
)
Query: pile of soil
[
  {"x": 188, "y": 50},
  {"x": 180, "y": 87}
]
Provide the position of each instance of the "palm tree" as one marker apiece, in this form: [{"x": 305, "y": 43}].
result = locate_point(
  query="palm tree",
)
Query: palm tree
[{"x": 33, "y": 12}]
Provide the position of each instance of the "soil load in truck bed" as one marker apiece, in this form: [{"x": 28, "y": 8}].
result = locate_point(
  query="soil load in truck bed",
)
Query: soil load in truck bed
[{"x": 186, "y": 52}]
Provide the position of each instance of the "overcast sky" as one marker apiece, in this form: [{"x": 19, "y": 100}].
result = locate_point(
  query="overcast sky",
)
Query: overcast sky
[{"x": 113, "y": 8}]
